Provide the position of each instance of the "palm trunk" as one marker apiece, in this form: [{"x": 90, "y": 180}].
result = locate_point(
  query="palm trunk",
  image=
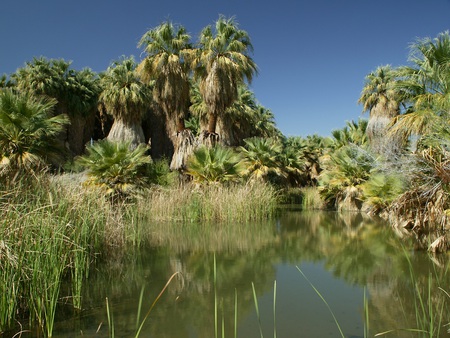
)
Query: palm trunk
[
  {"x": 180, "y": 125},
  {"x": 212, "y": 123},
  {"x": 184, "y": 146},
  {"x": 225, "y": 129},
  {"x": 122, "y": 131}
]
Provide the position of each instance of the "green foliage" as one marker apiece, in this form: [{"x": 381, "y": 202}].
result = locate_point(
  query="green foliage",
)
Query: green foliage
[
  {"x": 352, "y": 133},
  {"x": 158, "y": 172},
  {"x": 308, "y": 152},
  {"x": 222, "y": 64},
  {"x": 344, "y": 171},
  {"x": 263, "y": 158},
  {"x": 76, "y": 92},
  {"x": 425, "y": 86},
  {"x": 215, "y": 165},
  {"x": 116, "y": 168},
  {"x": 28, "y": 132},
  {"x": 124, "y": 95},
  {"x": 382, "y": 188}
]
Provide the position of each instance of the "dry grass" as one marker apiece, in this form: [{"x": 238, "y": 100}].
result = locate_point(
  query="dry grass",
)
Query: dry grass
[{"x": 237, "y": 203}]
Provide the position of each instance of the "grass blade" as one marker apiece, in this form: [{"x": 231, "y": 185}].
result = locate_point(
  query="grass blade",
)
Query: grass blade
[
  {"x": 154, "y": 303},
  {"x": 235, "y": 313},
  {"x": 257, "y": 310},
  {"x": 274, "y": 309},
  {"x": 323, "y": 299}
]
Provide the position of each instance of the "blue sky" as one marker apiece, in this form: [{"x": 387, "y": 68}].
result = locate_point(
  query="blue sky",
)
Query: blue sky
[{"x": 312, "y": 55}]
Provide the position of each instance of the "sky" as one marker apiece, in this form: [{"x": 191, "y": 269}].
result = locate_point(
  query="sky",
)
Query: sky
[{"x": 312, "y": 55}]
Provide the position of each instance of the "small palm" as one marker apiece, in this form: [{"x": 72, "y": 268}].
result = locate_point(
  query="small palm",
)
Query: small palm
[
  {"x": 116, "y": 168},
  {"x": 215, "y": 165},
  {"x": 262, "y": 156}
]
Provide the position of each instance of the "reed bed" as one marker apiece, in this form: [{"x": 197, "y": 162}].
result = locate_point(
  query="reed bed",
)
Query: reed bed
[
  {"x": 234, "y": 203},
  {"x": 48, "y": 235}
]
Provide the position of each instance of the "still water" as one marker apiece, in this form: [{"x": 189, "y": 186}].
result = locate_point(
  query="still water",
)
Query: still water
[{"x": 347, "y": 258}]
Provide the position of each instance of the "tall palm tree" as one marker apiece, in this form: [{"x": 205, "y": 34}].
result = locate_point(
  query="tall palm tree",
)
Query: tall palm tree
[
  {"x": 381, "y": 99},
  {"x": 167, "y": 65},
  {"x": 126, "y": 98},
  {"x": 221, "y": 65},
  {"x": 28, "y": 132},
  {"x": 426, "y": 86},
  {"x": 245, "y": 118}
]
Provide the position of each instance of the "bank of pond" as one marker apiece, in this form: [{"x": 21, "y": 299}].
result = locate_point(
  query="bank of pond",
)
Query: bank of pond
[{"x": 75, "y": 264}]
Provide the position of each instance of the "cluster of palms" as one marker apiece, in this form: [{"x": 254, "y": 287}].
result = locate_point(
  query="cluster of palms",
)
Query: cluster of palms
[
  {"x": 178, "y": 83},
  {"x": 191, "y": 103},
  {"x": 402, "y": 164}
]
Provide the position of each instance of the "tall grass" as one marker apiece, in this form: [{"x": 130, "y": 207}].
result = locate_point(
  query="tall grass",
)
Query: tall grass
[
  {"x": 237, "y": 203},
  {"x": 48, "y": 235},
  {"x": 311, "y": 198}
]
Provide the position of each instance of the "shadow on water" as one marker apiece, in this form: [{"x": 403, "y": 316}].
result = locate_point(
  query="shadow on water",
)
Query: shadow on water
[{"x": 342, "y": 255}]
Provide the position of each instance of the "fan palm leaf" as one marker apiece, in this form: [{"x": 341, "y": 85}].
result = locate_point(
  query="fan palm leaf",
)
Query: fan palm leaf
[
  {"x": 28, "y": 132},
  {"x": 215, "y": 165},
  {"x": 426, "y": 86},
  {"x": 115, "y": 167},
  {"x": 262, "y": 157}
]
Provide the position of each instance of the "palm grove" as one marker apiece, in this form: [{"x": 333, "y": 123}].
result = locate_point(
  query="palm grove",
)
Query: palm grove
[{"x": 187, "y": 108}]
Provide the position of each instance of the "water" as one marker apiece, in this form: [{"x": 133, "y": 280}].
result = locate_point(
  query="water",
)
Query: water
[{"x": 346, "y": 257}]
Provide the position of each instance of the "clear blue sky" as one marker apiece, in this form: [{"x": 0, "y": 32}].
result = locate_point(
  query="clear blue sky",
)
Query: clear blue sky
[{"x": 312, "y": 55}]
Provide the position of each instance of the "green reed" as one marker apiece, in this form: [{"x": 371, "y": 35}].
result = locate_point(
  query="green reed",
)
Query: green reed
[
  {"x": 139, "y": 323},
  {"x": 48, "y": 235},
  {"x": 324, "y": 301}
]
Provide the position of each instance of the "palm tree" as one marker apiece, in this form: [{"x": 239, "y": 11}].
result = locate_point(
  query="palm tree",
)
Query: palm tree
[
  {"x": 112, "y": 166},
  {"x": 265, "y": 125},
  {"x": 426, "y": 87},
  {"x": 167, "y": 66},
  {"x": 353, "y": 133},
  {"x": 245, "y": 118},
  {"x": 343, "y": 173},
  {"x": 76, "y": 93},
  {"x": 381, "y": 99},
  {"x": 215, "y": 165},
  {"x": 81, "y": 98},
  {"x": 263, "y": 158},
  {"x": 237, "y": 123},
  {"x": 126, "y": 98},
  {"x": 221, "y": 65},
  {"x": 307, "y": 152},
  {"x": 28, "y": 132}
]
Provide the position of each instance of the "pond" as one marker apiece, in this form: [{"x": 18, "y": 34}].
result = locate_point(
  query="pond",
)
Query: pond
[{"x": 310, "y": 266}]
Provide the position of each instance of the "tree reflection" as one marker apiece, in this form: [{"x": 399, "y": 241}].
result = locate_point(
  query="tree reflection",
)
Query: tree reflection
[{"x": 360, "y": 251}]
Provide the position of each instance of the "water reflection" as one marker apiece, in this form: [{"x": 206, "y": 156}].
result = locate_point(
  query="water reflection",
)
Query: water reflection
[{"x": 342, "y": 255}]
